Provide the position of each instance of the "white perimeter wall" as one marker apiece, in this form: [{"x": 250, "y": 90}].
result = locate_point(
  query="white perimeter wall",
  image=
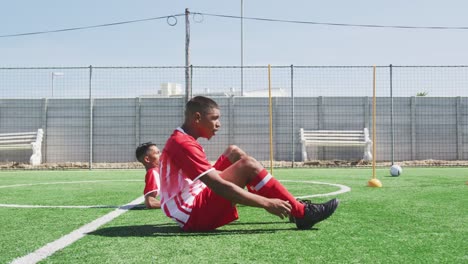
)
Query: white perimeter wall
[{"x": 424, "y": 127}]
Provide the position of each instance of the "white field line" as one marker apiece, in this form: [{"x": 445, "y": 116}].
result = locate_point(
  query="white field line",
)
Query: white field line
[
  {"x": 343, "y": 189},
  {"x": 69, "y": 239},
  {"x": 69, "y": 182},
  {"x": 58, "y": 206}
]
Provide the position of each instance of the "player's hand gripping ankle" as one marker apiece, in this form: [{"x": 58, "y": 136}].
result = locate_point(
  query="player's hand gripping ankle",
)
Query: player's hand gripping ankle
[{"x": 279, "y": 208}]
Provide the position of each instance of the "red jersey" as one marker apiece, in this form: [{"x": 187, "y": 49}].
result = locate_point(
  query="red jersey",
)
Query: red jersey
[
  {"x": 151, "y": 181},
  {"x": 183, "y": 161}
]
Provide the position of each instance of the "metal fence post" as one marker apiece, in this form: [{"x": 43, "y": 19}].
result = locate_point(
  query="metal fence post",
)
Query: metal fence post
[
  {"x": 459, "y": 128},
  {"x": 293, "y": 123},
  {"x": 392, "y": 145},
  {"x": 44, "y": 128},
  {"x": 413, "y": 127},
  {"x": 90, "y": 119},
  {"x": 137, "y": 121},
  {"x": 321, "y": 122},
  {"x": 320, "y": 112},
  {"x": 231, "y": 107}
]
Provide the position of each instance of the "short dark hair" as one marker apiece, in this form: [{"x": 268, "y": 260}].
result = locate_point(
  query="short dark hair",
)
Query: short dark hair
[
  {"x": 200, "y": 104},
  {"x": 142, "y": 150}
]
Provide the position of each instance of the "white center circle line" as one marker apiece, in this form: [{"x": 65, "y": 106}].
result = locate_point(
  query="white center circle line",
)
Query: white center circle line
[
  {"x": 60, "y": 206},
  {"x": 343, "y": 189}
]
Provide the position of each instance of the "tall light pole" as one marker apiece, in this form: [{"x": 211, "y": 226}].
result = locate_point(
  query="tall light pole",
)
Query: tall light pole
[
  {"x": 242, "y": 48},
  {"x": 53, "y": 78},
  {"x": 188, "y": 77}
]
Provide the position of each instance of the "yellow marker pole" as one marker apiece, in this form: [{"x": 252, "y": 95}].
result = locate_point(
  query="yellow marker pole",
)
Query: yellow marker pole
[
  {"x": 271, "y": 120},
  {"x": 374, "y": 182}
]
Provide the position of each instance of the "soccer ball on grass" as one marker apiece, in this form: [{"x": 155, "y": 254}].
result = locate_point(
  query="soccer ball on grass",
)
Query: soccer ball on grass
[{"x": 395, "y": 170}]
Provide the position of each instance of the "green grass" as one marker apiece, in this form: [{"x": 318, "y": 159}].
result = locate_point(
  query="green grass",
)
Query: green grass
[{"x": 421, "y": 216}]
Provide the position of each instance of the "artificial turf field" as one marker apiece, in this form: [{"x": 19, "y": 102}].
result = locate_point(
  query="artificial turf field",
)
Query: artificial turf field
[{"x": 419, "y": 217}]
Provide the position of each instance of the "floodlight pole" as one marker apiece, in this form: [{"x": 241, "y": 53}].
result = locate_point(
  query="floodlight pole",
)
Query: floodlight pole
[
  {"x": 188, "y": 79},
  {"x": 242, "y": 48}
]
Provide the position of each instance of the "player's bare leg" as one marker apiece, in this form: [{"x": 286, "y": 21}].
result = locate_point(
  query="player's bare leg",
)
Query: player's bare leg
[
  {"x": 249, "y": 172},
  {"x": 234, "y": 153},
  {"x": 242, "y": 171},
  {"x": 230, "y": 156}
]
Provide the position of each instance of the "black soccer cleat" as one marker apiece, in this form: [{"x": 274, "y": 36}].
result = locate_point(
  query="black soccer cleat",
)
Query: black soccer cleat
[
  {"x": 292, "y": 218},
  {"x": 314, "y": 213}
]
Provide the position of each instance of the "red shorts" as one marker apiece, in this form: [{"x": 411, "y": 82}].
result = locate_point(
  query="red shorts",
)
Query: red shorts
[
  {"x": 222, "y": 163},
  {"x": 210, "y": 211}
]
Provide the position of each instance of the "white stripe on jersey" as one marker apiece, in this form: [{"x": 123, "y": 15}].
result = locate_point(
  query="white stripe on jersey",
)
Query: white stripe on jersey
[
  {"x": 175, "y": 213},
  {"x": 179, "y": 206},
  {"x": 263, "y": 182},
  {"x": 199, "y": 176},
  {"x": 158, "y": 183},
  {"x": 168, "y": 173}
]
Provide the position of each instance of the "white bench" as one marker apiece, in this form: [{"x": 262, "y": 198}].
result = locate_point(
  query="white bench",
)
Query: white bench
[
  {"x": 24, "y": 140},
  {"x": 336, "y": 138}
]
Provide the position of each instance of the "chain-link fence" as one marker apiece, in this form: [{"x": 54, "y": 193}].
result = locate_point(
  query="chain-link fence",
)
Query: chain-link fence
[{"x": 96, "y": 116}]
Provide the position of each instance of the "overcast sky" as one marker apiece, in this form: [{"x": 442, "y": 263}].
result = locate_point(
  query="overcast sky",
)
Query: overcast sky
[{"x": 216, "y": 40}]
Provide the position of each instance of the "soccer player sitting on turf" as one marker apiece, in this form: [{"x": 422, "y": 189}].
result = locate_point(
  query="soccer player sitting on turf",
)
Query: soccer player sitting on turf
[
  {"x": 148, "y": 154},
  {"x": 201, "y": 197}
]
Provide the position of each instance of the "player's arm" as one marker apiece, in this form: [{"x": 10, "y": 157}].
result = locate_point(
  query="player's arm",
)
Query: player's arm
[
  {"x": 151, "y": 202},
  {"x": 237, "y": 195}
]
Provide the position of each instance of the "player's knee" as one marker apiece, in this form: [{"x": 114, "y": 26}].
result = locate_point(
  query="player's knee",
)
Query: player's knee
[
  {"x": 233, "y": 149},
  {"x": 250, "y": 162},
  {"x": 235, "y": 153}
]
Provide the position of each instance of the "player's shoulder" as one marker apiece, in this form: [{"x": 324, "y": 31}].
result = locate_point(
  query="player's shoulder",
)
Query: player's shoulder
[
  {"x": 181, "y": 138},
  {"x": 154, "y": 171},
  {"x": 180, "y": 143}
]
